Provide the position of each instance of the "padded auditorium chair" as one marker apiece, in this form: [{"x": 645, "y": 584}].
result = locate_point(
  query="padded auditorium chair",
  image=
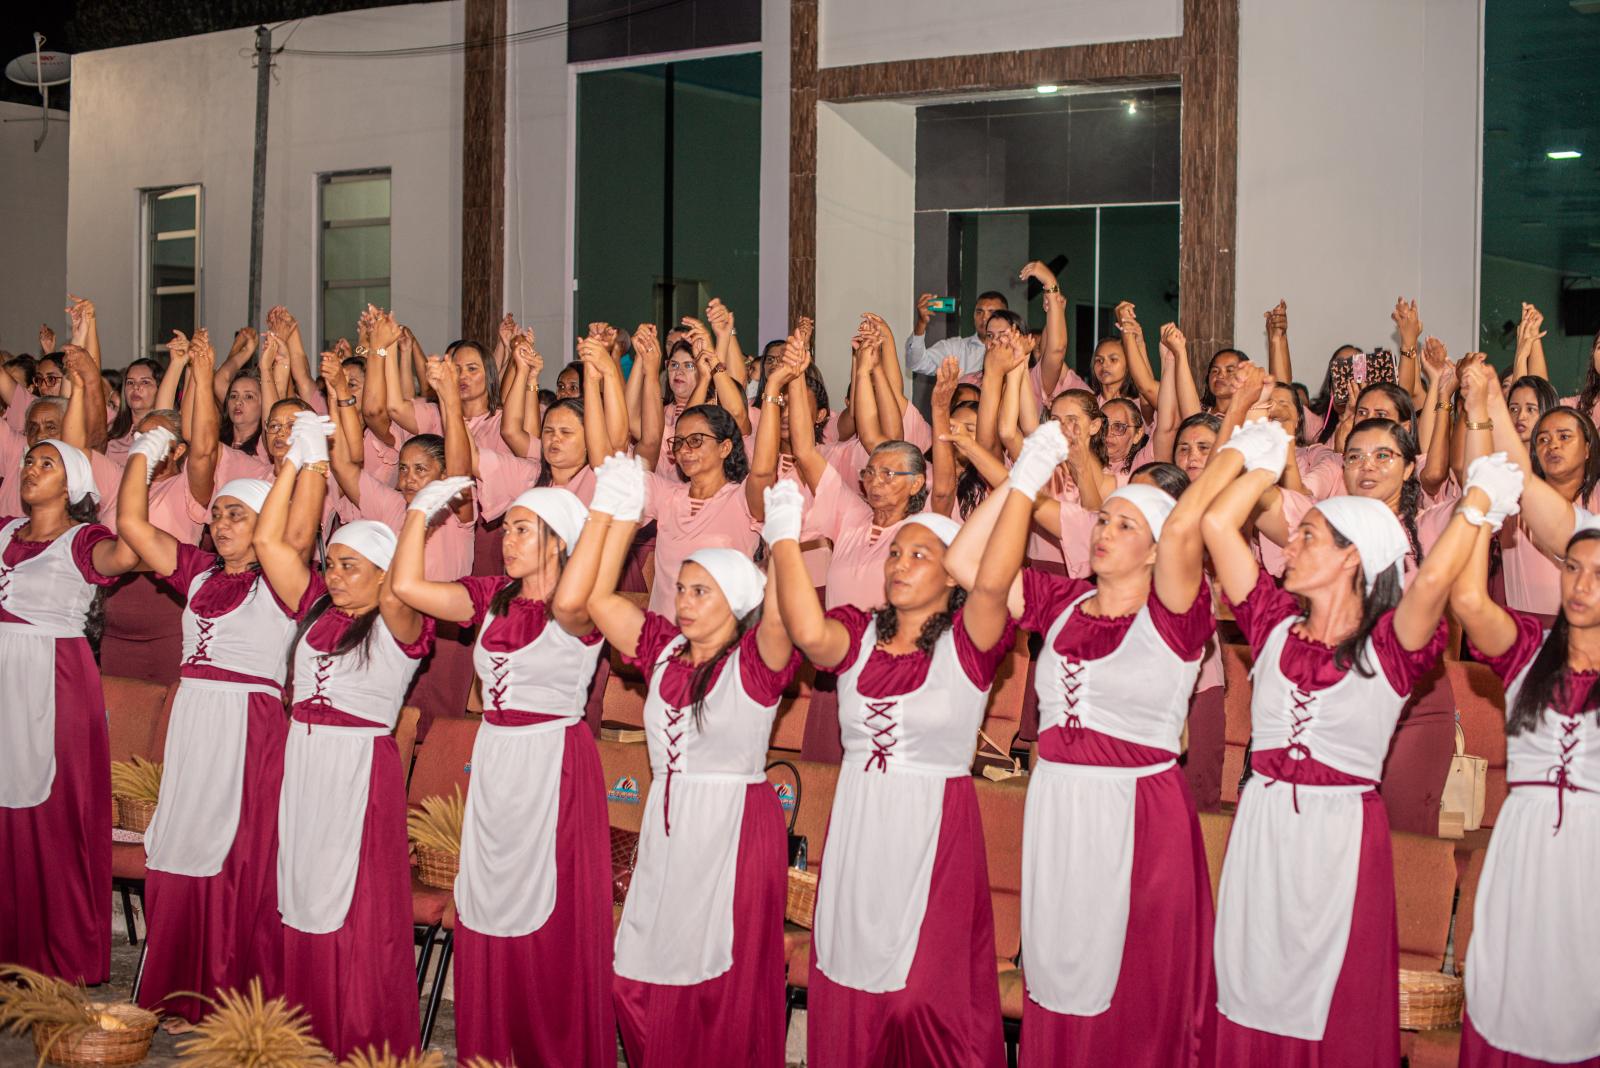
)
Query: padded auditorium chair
[
  {"x": 136, "y": 714},
  {"x": 443, "y": 764},
  {"x": 1425, "y": 893},
  {"x": 817, "y": 785},
  {"x": 1481, "y": 711},
  {"x": 1236, "y": 661},
  {"x": 1000, "y": 806}
]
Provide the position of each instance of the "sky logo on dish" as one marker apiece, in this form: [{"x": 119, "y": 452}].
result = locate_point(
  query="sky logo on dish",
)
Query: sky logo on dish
[
  {"x": 624, "y": 791},
  {"x": 785, "y": 796}
]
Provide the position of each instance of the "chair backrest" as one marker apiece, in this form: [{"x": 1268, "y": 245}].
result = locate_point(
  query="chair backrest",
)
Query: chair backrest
[
  {"x": 1236, "y": 661},
  {"x": 136, "y": 712},
  {"x": 1466, "y": 905},
  {"x": 627, "y": 771},
  {"x": 817, "y": 785},
  {"x": 789, "y": 726},
  {"x": 444, "y": 761},
  {"x": 405, "y": 737},
  {"x": 1481, "y": 706},
  {"x": 1003, "y": 716},
  {"x": 1000, "y": 806},
  {"x": 1424, "y": 895},
  {"x": 624, "y": 701},
  {"x": 1215, "y": 828}
]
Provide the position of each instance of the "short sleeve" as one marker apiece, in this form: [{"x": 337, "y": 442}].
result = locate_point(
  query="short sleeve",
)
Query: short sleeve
[
  {"x": 982, "y": 665},
  {"x": 835, "y": 508},
  {"x": 83, "y": 543},
  {"x": 1046, "y": 596},
  {"x": 502, "y": 478},
  {"x": 916, "y": 428},
  {"x": 657, "y": 633},
  {"x": 427, "y": 416},
  {"x": 315, "y": 588},
  {"x": 1404, "y": 667},
  {"x": 482, "y": 590},
  {"x": 382, "y": 503},
  {"x": 1263, "y": 608},
  {"x": 1524, "y": 647},
  {"x": 192, "y": 561},
  {"x": 855, "y": 622},
  {"x": 422, "y": 645},
  {"x": 1185, "y": 633},
  {"x": 761, "y": 683}
]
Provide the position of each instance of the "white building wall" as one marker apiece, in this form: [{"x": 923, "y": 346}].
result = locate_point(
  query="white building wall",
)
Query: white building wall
[
  {"x": 33, "y": 220},
  {"x": 855, "y": 31},
  {"x": 179, "y": 112},
  {"x": 1358, "y": 171}
]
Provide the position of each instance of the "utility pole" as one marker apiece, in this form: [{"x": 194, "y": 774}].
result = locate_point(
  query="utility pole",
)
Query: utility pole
[{"x": 258, "y": 189}]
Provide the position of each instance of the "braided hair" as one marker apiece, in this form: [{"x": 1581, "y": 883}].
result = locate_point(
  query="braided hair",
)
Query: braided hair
[
  {"x": 85, "y": 510},
  {"x": 887, "y": 619}
]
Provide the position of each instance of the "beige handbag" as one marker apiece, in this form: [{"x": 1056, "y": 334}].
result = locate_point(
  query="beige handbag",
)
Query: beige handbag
[{"x": 1462, "y": 802}]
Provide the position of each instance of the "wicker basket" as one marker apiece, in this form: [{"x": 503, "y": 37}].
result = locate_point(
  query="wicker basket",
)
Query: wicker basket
[
  {"x": 801, "y": 901},
  {"x": 116, "y": 811},
  {"x": 97, "y": 1046},
  {"x": 437, "y": 868},
  {"x": 1429, "y": 1000},
  {"x": 134, "y": 814}
]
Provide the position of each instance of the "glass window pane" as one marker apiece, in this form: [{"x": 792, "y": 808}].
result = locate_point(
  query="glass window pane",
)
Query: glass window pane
[
  {"x": 351, "y": 253},
  {"x": 172, "y": 262},
  {"x": 358, "y": 199},
  {"x": 172, "y": 211},
  {"x": 342, "y": 307},
  {"x": 169, "y": 312}
]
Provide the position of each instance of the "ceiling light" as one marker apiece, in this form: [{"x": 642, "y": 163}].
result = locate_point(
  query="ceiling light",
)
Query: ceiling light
[
  {"x": 1564, "y": 153},
  {"x": 1585, "y": 7},
  {"x": 1133, "y": 107},
  {"x": 1046, "y": 90}
]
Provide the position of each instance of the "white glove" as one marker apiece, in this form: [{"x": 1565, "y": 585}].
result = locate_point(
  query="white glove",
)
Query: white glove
[
  {"x": 308, "y": 439},
  {"x": 1502, "y": 481},
  {"x": 785, "y": 511},
  {"x": 1042, "y": 452},
  {"x": 1263, "y": 443},
  {"x": 154, "y": 445},
  {"x": 436, "y": 496},
  {"x": 619, "y": 488}
]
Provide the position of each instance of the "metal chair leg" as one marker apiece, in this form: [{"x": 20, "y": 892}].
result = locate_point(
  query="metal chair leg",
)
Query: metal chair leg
[
  {"x": 427, "y": 934},
  {"x": 138, "y": 971},
  {"x": 437, "y": 993},
  {"x": 127, "y": 913}
]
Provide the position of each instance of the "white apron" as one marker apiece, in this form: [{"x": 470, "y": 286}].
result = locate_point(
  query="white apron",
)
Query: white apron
[
  {"x": 883, "y": 832},
  {"x": 677, "y": 924},
  {"x": 1078, "y": 820},
  {"x": 50, "y": 593},
  {"x": 506, "y": 885},
  {"x": 326, "y": 775},
  {"x": 1533, "y": 978},
  {"x": 1288, "y": 889},
  {"x": 202, "y": 777}
]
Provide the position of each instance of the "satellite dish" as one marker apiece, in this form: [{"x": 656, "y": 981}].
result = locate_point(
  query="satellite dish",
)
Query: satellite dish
[{"x": 40, "y": 69}]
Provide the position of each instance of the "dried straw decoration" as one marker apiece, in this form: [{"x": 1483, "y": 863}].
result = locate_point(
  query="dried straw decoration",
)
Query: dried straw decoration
[{"x": 247, "y": 1031}]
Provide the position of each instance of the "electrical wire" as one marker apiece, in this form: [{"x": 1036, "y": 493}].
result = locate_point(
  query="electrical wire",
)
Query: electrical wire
[{"x": 536, "y": 33}]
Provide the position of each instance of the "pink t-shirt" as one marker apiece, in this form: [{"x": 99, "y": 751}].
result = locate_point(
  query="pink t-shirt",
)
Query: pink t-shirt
[
  {"x": 855, "y": 573},
  {"x": 684, "y": 524},
  {"x": 13, "y": 447},
  {"x": 448, "y": 553},
  {"x": 849, "y": 456},
  {"x": 504, "y": 476},
  {"x": 117, "y": 448},
  {"x": 1068, "y": 379},
  {"x": 17, "y": 416},
  {"x": 231, "y": 464},
  {"x": 484, "y": 429},
  {"x": 1321, "y": 469},
  {"x": 172, "y": 507}
]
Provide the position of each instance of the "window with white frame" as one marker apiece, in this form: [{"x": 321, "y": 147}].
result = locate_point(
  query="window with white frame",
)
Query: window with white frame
[
  {"x": 354, "y": 253},
  {"x": 171, "y": 275}
]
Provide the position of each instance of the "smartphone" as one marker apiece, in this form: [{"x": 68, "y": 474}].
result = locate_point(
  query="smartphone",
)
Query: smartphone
[
  {"x": 943, "y": 304},
  {"x": 1358, "y": 368}
]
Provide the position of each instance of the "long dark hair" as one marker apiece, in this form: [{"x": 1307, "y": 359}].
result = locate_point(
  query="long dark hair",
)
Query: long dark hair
[
  {"x": 1401, "y": 400},
  {"x": 1091, "y": 409},
  {"x": 1547, "y": 678},
  {"x": 667, "y": 396},
  {"x": 971, "y": 487},
  {"x": 1591, "y": 385},
  {"x": 701, "y": 681},
  {"x": 1322, "y": 403},
  {"x": 1383, "y": 597},
  {"x": 887, "y": 619},
  {"x": 1127, "y": 390},
  {"x": 85, "y": 510},
  {"x": 123, "y": 424},
  {"x": 1208, "y": 399},
  {"x": 736, "y": 464},
  {"x": 1591, "y": 449},
  {"x": 567, "y": 404},
  {"x": 500, "y": 603},
  {"x": 491, "y": 373},
  {"x": 1544, "y": 394},
  {"x": 249, "y": 444},
  {"x": 1411, "y": 489},
  {"x": 357, "y": 639},
  {"x": 1300, "y": 437}
]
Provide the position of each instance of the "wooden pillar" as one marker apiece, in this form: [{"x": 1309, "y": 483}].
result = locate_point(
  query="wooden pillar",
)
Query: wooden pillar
[
  {"x": 483, "y": 170},
  {"x": 1209, "y": 68},
  {"x": 802, "y": 159}
]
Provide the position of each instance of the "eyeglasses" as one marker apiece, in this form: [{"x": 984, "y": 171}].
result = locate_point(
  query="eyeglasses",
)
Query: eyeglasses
[
  {"x": 1381, "y": 457},
  {"x": 50, "y": 380},
  {"x": 883, "y": 474},
  {"x": 690, "y": 441},
  {"x": 1119, "y": 428}
]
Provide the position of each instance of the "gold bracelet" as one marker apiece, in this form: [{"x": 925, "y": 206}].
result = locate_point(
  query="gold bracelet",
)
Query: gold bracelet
[
  {"x": 319, "y": 466},
  {"x": 1444, "y": 407},
  {"x": 1487, "y": 424}
]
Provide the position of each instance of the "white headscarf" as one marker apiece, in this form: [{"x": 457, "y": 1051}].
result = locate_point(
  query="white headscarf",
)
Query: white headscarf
[
  {"x": 1154, "y": 504},
  {"x": 250, "y": 492},
  {"x": 741, "y": 580},
  {"x": 1372, "y": 527},
  {"x": 80, "y": 476},
  {"x": 944, "y": 528},
  {"x": 369, "y": 538},
  {"x": 560, "y": 509}
]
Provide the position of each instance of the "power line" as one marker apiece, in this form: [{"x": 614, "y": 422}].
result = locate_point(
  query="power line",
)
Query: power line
[{"x": 536, "y": 33}]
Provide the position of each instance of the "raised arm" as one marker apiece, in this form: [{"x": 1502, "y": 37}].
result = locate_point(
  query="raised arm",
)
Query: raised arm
[
  {"x": 407, "y": 578},
  {"x": 172, "y": 377},
  {"x": 1408, "y": 324},
  {"x": 205, "y": 423},
  {"x": 375, "y": 393},
  {"x": 1529, "y": 359},
  {"x": 863, "y": 394},
  {"x": 652, "y": 415},
  {"x": 154, "y": 546},
  {"x": 521, "y": 395},
  {"x": 600, "y": 397},
  {"x": 84, "y": 375},
  {"x": 618, "y": 618},
  {"x": 1053, "y": 348},
  {"x": 1422, "y": 605},
  {"x": 966, "y": 553},
  {"x": 1180, "y": 552},
  {"x": 244, "y": 344},
  {"x": 729, "y": 353},
  {"x": 280, "y": 562},
  {"x": 769, "y": 432},
  {"x": 1222, "y": 527},
  {"x": 1278, "y": 361},
  {"x": 821, "y": 640},
  {"x": 1435, "y": 424},
  {"x": 1134, "y": 353},
  {"x": 1188, "y": 395},
  {"x": 808, "y": 459},
  {"x": 1489, "y": 627},
  {"x": 942, "y": 494},
  {"x": 1168, "y": 417},
  {"x": 891, "y": 383}
]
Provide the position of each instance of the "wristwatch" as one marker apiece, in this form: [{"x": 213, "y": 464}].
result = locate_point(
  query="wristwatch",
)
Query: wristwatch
[
  {"x": 382, "y": 352},
  {"x": 348, "y": 402}
]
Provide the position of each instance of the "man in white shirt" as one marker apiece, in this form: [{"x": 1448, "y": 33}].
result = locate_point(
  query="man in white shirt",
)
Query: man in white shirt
[{"x": 967, "y": 350}]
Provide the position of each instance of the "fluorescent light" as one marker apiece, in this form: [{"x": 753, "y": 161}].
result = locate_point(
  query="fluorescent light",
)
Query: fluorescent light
[
  {"x": 1133, "y": 107},
  {"x": 1564, "y": 153},
  {"x": 1046, "y": 90}
]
